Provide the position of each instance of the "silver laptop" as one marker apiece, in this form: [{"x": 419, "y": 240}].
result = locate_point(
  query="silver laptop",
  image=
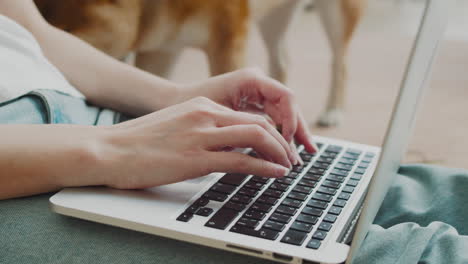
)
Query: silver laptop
[{"x": 309, "y": 216}]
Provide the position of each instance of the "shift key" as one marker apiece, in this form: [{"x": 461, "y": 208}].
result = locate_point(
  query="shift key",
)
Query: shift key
[{"x": 222, "y": 218}]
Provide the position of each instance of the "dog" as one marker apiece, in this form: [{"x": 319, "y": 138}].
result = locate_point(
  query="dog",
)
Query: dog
[{"x": 156, "y": 31}]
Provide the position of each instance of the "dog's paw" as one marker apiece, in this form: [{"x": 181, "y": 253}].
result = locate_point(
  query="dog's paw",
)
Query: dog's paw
[{"x": 330, "y": 118}]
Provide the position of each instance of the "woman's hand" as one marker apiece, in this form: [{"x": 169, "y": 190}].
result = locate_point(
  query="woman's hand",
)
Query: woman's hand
[
  {"x": 188, "y": 140},
  {"x": 252, "y": 91}
]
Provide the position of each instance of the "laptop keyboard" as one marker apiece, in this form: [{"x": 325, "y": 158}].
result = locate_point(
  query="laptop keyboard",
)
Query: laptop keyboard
[{"x": 290, "y": 209}]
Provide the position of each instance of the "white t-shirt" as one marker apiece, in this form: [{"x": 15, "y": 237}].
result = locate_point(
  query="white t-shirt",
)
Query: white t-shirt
[{"x": 23, "y": 66}]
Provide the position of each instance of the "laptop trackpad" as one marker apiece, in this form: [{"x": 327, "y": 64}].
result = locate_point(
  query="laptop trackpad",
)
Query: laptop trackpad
[{"x": 149, "y": 205}]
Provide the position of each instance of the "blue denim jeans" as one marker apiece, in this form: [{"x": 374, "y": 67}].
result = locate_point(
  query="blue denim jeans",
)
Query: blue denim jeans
[{"x": 52, "y": 107}]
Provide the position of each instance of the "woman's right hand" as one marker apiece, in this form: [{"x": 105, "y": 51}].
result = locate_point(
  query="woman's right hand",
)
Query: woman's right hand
[{"x": 188, "y": 140}]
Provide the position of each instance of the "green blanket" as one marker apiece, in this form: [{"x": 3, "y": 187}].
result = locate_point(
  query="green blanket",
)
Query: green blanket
[{"x": 423, "y": 220}]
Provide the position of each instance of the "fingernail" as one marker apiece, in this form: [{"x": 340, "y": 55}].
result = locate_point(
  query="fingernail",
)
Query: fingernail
[
  {"x": 299, "y": 159},
  {"x": 294, "y": 153},
  {"x": 282, "y": 171}
]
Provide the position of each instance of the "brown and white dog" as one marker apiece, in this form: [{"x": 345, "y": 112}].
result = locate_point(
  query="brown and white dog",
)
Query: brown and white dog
[{"x": 157, "y": 30}]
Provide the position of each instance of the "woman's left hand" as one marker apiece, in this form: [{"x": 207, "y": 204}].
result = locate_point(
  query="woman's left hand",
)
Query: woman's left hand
[{"x": 251, "y": 90}]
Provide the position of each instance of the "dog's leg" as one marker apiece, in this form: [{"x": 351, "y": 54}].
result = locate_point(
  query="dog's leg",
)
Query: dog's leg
[
  {"x": 157, "y": 62},
  {"x": 227, "y": 54},
  {"x": 273, "y": 28},
  {"x": 339, "y": 18}
]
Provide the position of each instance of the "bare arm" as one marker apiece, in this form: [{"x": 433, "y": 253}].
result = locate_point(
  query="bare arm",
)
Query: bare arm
[{"x": 104, "y": 80}]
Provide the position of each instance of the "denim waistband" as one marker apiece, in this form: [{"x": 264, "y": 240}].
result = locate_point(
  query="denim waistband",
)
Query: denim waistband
[{"x": 53, "y": 107}]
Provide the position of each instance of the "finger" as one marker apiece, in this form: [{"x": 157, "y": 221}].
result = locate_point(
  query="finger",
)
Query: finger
[
  {"x": 246, "y": 136},
  {"x": 235, "y": 162},
  {"x": 231, "y": 118},
  {"x": 279, "y": 104},
  {"x": 303, "y": 135},
  {"x": 299, "y": 159}
]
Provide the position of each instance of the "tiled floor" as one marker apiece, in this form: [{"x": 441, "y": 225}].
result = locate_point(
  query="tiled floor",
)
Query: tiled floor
[{"x": 377, "y": 59}]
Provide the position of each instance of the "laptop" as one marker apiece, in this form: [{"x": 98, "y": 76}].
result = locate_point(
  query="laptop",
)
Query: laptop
[{"x": 308, "y": 216}]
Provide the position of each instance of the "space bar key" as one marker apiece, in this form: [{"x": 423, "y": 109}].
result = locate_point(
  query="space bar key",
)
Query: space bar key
[{"x": 222, "y": 218}]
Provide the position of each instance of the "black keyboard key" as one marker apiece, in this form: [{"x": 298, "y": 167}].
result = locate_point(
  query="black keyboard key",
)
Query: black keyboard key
[
  {"x": 241, "y": 199},
  {"x": 300, "y": 226},
  {"x": 340, "y": 203},
  {"x": 306, "y": 156},
  {"x": 297, "y": 196},
  {"x": 280, "y": 218},
  {"x": 342, "y": 166},
  {"x": 350, "y": 156},
  {"x": 354, "y": 151},
  {"x": 366, "y": 160},
  {"x": 247, "y": 222},
  {"x": 201, "y": 202},
  {"x": 279, "y": 187},
  {"x": 320, "y": 235},
  {"x": 261, "y": 207},
  {"x": 307, "y": 219},
  {"x": 322, "y": 197},
  {"x": 302, "y": 189},
  {"x": 330, "y": 218},
  {"x": 273, "y": 193},
  {"x": 328, "y": 154},
  {"x": 324, "y": 226},
  {"x": 267, "y": 200},
  {"x": 319, "y": 165},
  {"x": 352, "y": 183},
  {"x": 356, "y": 177},
  {"x": 344, "y": 196},
  {"x": 336, "y": 178},
  {"x": 335, "y": 210},
  {"x": 192, "y": 209},
  {"x": 312, "y": 211},
  {"x": 233, "y": 179},
  {"x": 262, "y": 233},
  {"x": 339, "y": 172},
  {"x": 223, "y": 188},
  {"x": 215, "y": 196},
  {"x": 254, "y": 185},
  {"x": 259, "y": 179},
  {"x": 311, "y": 177},
  {"x": 292, "y": 175},
  {"x": 184, "y": 217},
  {"x": 308, "y": 183},
  {"x": 325, "y": 160},
  {"x": 348, "y": 189},
  {"x": 247, "y": 192},
  {"x": 334, "y": 148},
  {"x": 360, "y": 171},
  {"x": 327, "y": 190},
  {"x": 284, "y": 180},
  {"x": 235, "y": 206},
  {"x": 258, "y": 215},
  {"x": 294, "y": 237},
  {"x": 314, "y": 244},
  {"x": 347, "y": 161},
  {"x": 292, "y": 203},
  {"x": 363, "y": 165},
  {"x": 274, "y": 225},
  {"x": 370, "y": 155},
  {"x": 204, "y": 211},
  {"x": 286, "y": 210},
  {"x": 317, "y": 204},
  {"x": 222, "y": 218},
  {"x": 331, "y": 184},
  {"x": 297, "y": 168},
  {"x": 317, "y": 171}
]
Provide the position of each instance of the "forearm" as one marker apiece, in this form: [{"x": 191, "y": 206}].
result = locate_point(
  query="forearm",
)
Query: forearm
[
  {"x": 42, "y": 158},
  {"x": 102, "y": 79}
]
